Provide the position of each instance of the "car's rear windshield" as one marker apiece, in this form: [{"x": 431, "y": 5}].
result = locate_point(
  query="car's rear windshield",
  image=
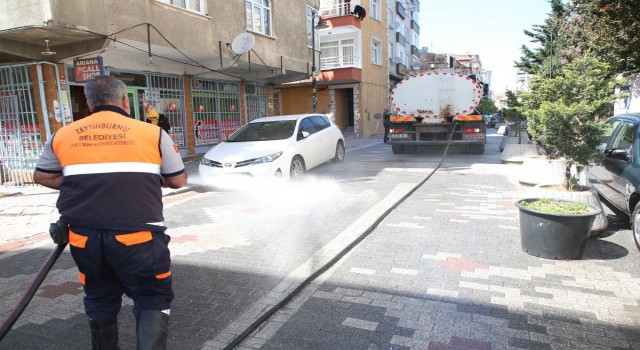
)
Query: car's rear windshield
[{"x": 264, "y": 131}]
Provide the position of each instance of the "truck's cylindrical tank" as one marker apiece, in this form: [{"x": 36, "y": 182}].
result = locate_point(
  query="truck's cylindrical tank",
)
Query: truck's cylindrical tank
[{"x": 435, "y": 96}]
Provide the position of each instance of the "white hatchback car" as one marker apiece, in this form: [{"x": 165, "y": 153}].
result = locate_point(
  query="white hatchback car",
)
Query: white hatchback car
[{"x": 285, "y": 146}]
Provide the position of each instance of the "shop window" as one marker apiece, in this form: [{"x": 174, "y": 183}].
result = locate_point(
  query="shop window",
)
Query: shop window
[
  {"x": 170, "y": 102},
  {"x": 255, "y": 96},
  {"x": 216, "y": 112}
]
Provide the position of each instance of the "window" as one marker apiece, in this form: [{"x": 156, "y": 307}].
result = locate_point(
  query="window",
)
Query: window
[
  {"x": 375, "y": 9},
  {"x": 376, "y": 51},
  {"x": 625, "y": 101},
  {"x": 258, "y": 14},
  {"x": 339, "y": 53},
  {"x": 320, "y": 122},
  {"x": 390, "y": 49},
  {"x": 215, "y": 113},
  {"x": 191, "y": 5},
  {"x": 401, "y": 54},
  {"x": 255, "y": 99},
  {"x": 624, "y": 137},
  {"x": 307, "y": 125}
]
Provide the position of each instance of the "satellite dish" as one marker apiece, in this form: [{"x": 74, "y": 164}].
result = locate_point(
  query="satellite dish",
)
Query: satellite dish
[{"x": 242, "y": 43}]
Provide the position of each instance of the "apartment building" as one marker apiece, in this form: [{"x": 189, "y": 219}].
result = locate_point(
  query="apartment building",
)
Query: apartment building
[
  {"x": 352, "y": 77},
  {"x": 403, "y": 39},
  {"x": 208, "y": 65}
]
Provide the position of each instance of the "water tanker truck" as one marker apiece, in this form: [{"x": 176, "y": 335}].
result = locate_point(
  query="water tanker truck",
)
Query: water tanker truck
[{"x": 433, "y": 109}]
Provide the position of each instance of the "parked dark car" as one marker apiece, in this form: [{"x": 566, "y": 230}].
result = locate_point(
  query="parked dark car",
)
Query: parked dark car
[{"x": 617, "y": 178}]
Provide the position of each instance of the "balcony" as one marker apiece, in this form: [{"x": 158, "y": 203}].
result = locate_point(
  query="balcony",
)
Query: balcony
[
  {"x": 415, "y": 26},
  {"x": 402, "y": 12},
  {"x": 327, "y": 63},
  {"x": 400, "y": 38},
  {"x": 336, "y": 8}
]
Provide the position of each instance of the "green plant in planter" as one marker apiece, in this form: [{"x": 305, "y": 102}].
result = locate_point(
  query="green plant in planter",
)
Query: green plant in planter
[
  {"x": 554, "y": 206},
  {"x": 565, "y": 112}
]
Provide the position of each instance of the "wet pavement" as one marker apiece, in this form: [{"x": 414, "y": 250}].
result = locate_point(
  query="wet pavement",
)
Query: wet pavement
[{"x": 444, "y": 270}]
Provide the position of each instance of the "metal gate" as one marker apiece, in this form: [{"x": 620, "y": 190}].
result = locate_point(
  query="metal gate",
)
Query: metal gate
[
  {"x": 16, "y": 165},
  {"x": 20, "y": 143},
  {"x": 216, "y": 111},
  {"x": 255, "y": 99}
]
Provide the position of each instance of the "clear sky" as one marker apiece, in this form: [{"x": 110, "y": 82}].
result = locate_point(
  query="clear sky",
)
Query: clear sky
[{"x": 492, "y": 29}]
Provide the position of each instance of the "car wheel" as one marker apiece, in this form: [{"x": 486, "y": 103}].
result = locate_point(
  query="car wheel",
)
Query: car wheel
[
  {"x": 339, "y": 157},
  {"x": 297, "y": 168},
  {"x": 635, "y": 225}
]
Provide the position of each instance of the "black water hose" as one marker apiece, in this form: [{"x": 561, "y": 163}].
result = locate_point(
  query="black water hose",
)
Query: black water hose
[
  {"x": 252, "y": 327},
  {"x": 31, "y": 290}
]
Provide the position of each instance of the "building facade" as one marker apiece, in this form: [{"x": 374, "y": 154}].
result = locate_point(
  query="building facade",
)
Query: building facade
[
  {"x": 353, "y": 79},
  {"x": 403, "y": 39},
  {"x": 208, "y": 65}
]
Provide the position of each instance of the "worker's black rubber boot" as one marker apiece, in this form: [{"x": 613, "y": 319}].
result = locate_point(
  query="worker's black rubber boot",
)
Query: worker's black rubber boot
[
  {"x": 152, "y": 327},
  {"x": 104, "y": 334}
]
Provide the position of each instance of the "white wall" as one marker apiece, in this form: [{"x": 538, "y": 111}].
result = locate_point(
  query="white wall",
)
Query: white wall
[
  {"x": 17, "y": 13},
  {"x": 630, "y": 103}
]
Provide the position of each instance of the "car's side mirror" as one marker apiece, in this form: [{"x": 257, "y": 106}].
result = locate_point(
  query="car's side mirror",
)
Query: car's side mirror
[
  {"x": 617, "y": 153},
  {"x": 303, "y": 135}
]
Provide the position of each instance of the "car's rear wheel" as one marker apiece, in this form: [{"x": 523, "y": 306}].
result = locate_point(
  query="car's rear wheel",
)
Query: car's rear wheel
[
  {"x": 298, "y": 168},
  {"x": 635, "y": 224},
  {"x": 339, "y": 157}
]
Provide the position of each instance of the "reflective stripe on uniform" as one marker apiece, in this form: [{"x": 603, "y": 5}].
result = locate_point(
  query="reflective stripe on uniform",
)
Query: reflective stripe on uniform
[{"x": 103, "y": 168}]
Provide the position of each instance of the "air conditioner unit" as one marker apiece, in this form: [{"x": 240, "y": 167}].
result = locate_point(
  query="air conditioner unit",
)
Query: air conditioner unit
[{"x": 396, "y": 24}]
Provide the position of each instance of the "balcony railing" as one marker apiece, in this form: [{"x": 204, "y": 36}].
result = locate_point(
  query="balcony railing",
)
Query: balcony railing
[
  {"x": 339, "y": 62},
  {"x": 336, "y": 8}
]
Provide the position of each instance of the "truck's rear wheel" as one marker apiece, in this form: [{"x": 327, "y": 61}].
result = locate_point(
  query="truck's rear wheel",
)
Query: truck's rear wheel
[{"x": 397, "y": 149}]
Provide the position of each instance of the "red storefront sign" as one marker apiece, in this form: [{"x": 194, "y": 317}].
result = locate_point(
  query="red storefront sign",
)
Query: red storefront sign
[{"x": 86, "y": 68}]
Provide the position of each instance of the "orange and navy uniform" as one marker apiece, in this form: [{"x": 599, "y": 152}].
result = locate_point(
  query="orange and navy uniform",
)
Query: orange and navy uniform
[
  {"x": 111, "y": 197},
  {"x": 112, "y": 170}
]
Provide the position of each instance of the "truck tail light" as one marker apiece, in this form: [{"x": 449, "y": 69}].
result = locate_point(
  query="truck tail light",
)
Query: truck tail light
[
  {"x": 471, "y": 130},
  {"x": 396, "y": 131}
]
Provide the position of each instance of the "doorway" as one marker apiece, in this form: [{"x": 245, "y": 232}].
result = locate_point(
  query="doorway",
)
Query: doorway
[
  {"x": 79, "y": 108},
  {"x": 136, "y": 103}
]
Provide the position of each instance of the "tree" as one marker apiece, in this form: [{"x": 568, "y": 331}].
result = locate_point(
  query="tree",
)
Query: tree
[
  {"x": 564, "y": 111},
  {"x": 541, "y": 60},
  {"x": 512, "y": 112},
  {"x": 487, "y": 106},
  {"x": 612, "y": 27}
]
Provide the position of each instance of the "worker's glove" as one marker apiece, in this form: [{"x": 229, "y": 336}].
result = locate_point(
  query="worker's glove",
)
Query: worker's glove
[{"x": 59, "y": 232}]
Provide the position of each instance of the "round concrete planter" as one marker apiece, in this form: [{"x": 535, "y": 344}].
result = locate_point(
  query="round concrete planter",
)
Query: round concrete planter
[
  {"x": 539, "y": 170},
  {"x": 586, "y": 195},
  {"x": 554, "y": 235}
]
